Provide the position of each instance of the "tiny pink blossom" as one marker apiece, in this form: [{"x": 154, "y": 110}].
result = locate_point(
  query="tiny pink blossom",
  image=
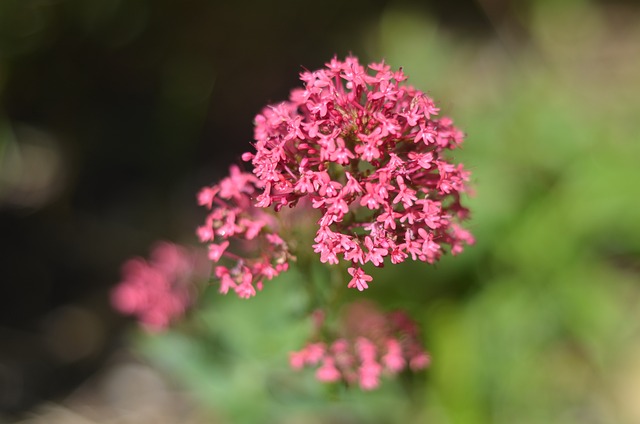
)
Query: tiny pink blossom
[
  {"x": 359, "y": 280},
  {"x": 369, "y": 375},
  {"x": 206, "y": 196},
  {"x": 366, "y": 349},
  {"x": 205, "y": 233},
  {"x": 328, "y": 372},
  {"x": 226, "y": 281},
  {"x": 420, "y": 361},
  {"x": 393, "y": 359},
  {"x": 314, "y": 353},
  {"x": 216, "y": 250},
  {"x": 245, "y": 291},
  {"x": 297, "y": 360}
]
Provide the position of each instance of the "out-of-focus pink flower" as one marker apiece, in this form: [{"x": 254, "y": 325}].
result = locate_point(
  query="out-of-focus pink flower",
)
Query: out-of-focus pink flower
[
  {"x": 369, "y": 375},
  {"x": 419, "y": 361},
  {"x": 393, "y": 359},
  {"x": 159, "y": 290},
  {"x": 297, "y": 359},
  {"x": 369, "y": 154},
  {"x": 372, "y": 344},
  {"x": 328, "y": 373}
]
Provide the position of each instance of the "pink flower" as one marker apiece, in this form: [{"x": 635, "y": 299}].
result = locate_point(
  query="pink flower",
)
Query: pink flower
[
  {"x": 328, "y": 372},
  {"x": 359, "y": 280},
  {"x": 462, "y": 235},
  {"x": 159, "y": 290},
  {"x": 226, "y": 281},
  {"x": 233, "y": 217},
  {"x": 393, "y": 359},
  {"x": 366, "y": 349},
  {"x": 369, "y": 375},
  {"x": 419, "y": 361},
  {"x": 216, "y": 250},
  {"x": 371, "y": 155},
  {"x": 314, "y": 353},
  {"x": 373, "y": 345},
  {"x": 363, "y": 149},
  {"x": 206, "y": 196},
  {"x": 296, "y": 360}
]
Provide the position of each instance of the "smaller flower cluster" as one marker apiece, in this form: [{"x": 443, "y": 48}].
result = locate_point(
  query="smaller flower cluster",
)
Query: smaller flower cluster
[
  {"x": 234, "y": 220},
  {"x": 159, "y": 290},
  {"x": 373, "y": 344}
]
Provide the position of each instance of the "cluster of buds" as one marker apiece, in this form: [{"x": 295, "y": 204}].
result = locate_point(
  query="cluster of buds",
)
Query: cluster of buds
[
  {"x": 372, "y": 344},
  {"x": 262, "y": 253},
  {"x": 367, "y": 152},
  {"x": 159, "y": 290}
]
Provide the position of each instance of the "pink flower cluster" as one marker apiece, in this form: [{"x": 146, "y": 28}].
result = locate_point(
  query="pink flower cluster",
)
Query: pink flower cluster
[
  {"x": 367, "y": 151},
  {"x": 262, "y": 254},
  {"x": 159, "y": 290},
  {"x": 374, "y": 344}
]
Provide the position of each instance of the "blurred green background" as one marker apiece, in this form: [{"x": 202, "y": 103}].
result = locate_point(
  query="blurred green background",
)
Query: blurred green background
[{"x": 114, "y": 113}]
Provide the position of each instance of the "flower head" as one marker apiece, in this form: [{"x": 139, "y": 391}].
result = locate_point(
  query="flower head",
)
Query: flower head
[
  {"x": 158, "y": 290},
  {"x": 369, "y": 154},
  {"x": 371, "y": 344},
  {"x": 242, "y": 238}
]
